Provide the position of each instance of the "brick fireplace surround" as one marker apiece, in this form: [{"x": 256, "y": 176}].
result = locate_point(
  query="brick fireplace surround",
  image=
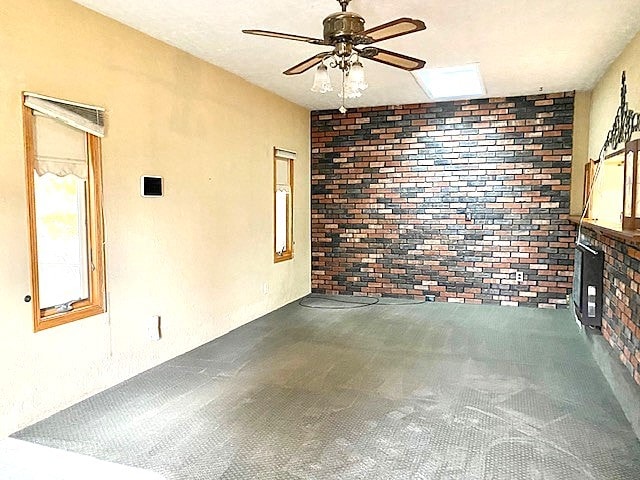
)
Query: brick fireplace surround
[
  {"x": 621, "y": 312},
  {"x": 449, "y": 199}
]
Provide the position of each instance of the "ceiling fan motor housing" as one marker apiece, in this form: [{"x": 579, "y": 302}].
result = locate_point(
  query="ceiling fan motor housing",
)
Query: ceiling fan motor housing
[{"x": 343, "y": 26}]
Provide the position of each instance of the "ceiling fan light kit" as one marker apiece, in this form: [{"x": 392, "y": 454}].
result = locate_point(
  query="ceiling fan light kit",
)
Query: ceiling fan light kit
[
  {"x": 321, "y": 80},
  {"x": 345, "y": 31}
]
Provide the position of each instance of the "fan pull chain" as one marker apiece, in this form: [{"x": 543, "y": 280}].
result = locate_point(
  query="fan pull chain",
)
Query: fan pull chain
[{"x": 343, "y": 109}]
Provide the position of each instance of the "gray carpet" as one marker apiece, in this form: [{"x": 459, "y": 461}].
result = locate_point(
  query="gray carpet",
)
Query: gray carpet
[{"x": 429, "y": 391}]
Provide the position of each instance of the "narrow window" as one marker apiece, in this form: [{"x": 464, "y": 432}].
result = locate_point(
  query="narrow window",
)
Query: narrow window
[
  {"x": 283, "y": 204},
  {"x": 65, "y": 213}
]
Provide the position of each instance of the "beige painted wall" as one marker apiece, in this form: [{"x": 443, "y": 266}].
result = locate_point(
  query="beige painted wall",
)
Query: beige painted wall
[
  {"x": 593, "y": 117},
  {"x": 606, "y": 95},
  {"x": 595, "y": 111},
  {"x": 580, "y": 155},
  {"x": 198, "y": 257}
]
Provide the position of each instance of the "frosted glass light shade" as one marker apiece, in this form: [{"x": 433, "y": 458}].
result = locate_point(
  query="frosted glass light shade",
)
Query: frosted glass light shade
[
  {"x": 321, "y": 80},
  {"x": 348, "y": 90},
  {"x": 356, "y": 76}
]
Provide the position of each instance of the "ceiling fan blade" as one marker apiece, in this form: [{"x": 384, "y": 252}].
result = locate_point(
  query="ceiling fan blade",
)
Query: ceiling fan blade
[
  {"x": 306, "y": 64},
  {"x": 391, "y": 58},
  {"x": 286, "y": 36},
  {"x": 401, "y": 26}
]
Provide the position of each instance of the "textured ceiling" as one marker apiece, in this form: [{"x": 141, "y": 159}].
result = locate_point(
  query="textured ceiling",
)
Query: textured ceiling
[{"x": 521, "y": 45}]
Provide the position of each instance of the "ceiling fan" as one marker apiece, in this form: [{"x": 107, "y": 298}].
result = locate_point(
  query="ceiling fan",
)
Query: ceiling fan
[{"x": 345, "y": 32}]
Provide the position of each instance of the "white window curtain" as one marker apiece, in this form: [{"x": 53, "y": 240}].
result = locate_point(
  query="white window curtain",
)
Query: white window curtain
[
  {"x": 61, "y": 150},
  {"x": 282, "y": 172},
  {"x": 282, "y": 197},
  {"x": 87, "y": 118},
  {"x": 288, "y": 154}
]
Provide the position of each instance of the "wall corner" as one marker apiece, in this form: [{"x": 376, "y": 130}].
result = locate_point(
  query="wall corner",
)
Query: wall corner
[{"x": 580, "y": 153}]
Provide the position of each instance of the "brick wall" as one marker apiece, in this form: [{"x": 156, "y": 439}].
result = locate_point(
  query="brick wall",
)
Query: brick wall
[
  {"x": 621, "y": 295},
  {"x": 448, "y": 199}
]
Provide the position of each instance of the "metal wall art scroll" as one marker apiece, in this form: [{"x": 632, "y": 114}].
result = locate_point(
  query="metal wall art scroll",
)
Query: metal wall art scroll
[{"x": 625, "y": 124}]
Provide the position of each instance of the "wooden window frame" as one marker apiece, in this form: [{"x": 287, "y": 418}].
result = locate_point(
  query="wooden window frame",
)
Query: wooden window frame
[
  {"x": 287, "y": 254},
  {"x": 631, "y": 154},
  {"x": 629, "y": 185},
  {"x": 95, "y": 304},
  {"x": 587, "y": 194}
]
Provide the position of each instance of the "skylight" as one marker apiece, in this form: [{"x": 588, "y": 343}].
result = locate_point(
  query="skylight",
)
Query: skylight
[{"x": 450, "y": 83}]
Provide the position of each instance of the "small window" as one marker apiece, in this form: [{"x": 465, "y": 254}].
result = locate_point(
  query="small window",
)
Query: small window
[
  {"x": 607, "y": 201},
  {"x": 65, "y": 212},
  {"x": 283, "y": 204}
]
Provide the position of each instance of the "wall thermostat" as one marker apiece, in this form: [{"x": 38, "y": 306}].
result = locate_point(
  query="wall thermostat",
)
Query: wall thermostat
[{"x": 150, "y": 186}]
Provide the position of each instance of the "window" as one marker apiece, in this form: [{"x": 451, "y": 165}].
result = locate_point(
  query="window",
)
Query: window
[
  {"x": 612, "y": 189},
  {"x": 62, "y": 147},
  {"x": 607, "y": 195},
  {"x": 451, "y": 82},
  {"x": 631, "y": 212},
  {"x": 283, "y": 204}
]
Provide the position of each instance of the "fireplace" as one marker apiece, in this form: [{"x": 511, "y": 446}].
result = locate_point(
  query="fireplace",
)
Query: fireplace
[{"x": 587, "y": 285}]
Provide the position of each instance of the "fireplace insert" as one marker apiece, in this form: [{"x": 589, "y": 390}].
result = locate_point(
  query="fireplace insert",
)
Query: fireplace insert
[{"x": 587, "y": 285}]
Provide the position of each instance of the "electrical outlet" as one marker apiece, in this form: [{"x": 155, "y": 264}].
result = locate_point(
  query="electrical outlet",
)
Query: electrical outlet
[
  {"x": 265, "y": 288},
  {"x": 519, "y": 276}
]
